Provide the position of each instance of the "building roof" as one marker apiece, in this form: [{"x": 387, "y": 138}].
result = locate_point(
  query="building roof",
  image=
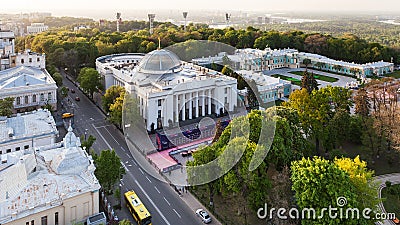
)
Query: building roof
[
  {"x": 159, "y": 62},
  {"x": 6, "y": 34},
  {"x": 30, "y": 181},
  {"x": 264, "y": 82},
  {"x": 27, "y": 125},
  {"x": 23, "y": 76}
]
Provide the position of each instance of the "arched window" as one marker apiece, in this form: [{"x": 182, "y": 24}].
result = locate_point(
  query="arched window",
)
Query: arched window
[
  {"x": 26, "y": 99},
  {"x": 42, "y": 97},
  {"x": 34, "y": 98},
  {"x": 18, "y": 100},
  {"x": 49, "y": 97}
]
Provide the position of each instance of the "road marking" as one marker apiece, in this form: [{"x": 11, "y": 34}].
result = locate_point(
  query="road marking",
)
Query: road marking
[
  {"x": 112, "y": 137},
  {"x": 129, "y": 156},
  {"x": 103, "y": 126},
  {"x": 151, "y": 201},
  {"x": 123, "y": 165},
  {"x": 129, "y": 165},
  {"x": 102, "y": 137},
  {"x": 157, "y": 190},
  {"x": 167, "y": 201},
  {"x": 148, "y": 179},
  {"x": 122, "y": 182},
  {"x": 141, "y": 170},
  {"x": 177, "y": 213},
  {"x": 134, "y": 163}
]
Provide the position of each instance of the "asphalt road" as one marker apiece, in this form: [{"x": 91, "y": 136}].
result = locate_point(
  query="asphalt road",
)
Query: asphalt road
[{"x": 160, "y": 199}]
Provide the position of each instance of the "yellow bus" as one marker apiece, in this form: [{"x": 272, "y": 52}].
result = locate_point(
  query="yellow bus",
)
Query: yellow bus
[{"x": 138, "y": 210}]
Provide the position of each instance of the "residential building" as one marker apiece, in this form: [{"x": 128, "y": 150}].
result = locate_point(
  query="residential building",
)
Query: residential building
[
  {"x": 35, "y": 28},
  {"x": 270, "y": 89},
  {"x": 28, "y": 58},
  {"x": 49, "y": 185},
  {"x": 167, "y": 89},
  {"x": 26, "y": 131},
  {"x": 7, "y": 47},
  {"x": 336, "y": 66},
  {"x": 30, "y": 87}
]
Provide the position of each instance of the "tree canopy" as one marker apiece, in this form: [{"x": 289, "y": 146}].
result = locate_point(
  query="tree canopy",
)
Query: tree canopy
[
  {"x": 108, "y": 168},
  {"x": 90, "y": 80}
]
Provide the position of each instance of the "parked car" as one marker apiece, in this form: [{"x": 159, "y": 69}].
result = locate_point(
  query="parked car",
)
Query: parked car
[
  {"x": 67, "y": 115},
  {"x": 77, "y": 99},
  {"x": 186, "y": 153},
  {"x": 203, "y": 215},
  {"x": 72, "y": 91}
]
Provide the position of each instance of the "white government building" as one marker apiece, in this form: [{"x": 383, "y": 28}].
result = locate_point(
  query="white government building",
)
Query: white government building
[
  {"x": 168, "y": 89},
  {"x": 27, "y": 131},
  {"x": 35, "y": 28},
  {"x": 52, "y": 185},
  {"x": 30, "y": 87}
]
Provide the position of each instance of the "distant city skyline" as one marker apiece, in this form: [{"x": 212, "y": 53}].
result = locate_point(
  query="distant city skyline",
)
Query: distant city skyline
[{"x": 89, "y": 8}]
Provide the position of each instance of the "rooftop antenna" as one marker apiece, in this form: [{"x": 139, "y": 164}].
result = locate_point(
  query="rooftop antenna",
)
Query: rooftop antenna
[
  {"x": 227, "y": 18},
  {"x": 151, "y": 20},
  {"x": 118, "y": 20},
  {"x": 185, "y": 16}
]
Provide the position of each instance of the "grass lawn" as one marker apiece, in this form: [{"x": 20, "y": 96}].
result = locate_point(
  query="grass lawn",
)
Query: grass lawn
[
  {"x": 317, "y": 76},
  {"x": 292, "y": 80},
  {"x": 392, "y": 200},
  {"x": 395, "y": 74}
]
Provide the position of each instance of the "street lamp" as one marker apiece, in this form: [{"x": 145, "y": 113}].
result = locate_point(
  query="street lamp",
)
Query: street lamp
[{"x": 85, "y": 133}]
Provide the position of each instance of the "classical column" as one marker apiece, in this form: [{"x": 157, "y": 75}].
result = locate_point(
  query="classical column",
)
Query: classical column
[
  {"x": 197, "y": 104},
  {"x": 176, "y": 101},
  {"x": 183, "y": 107},
  {"x": 209, "y": 101},
  {"x": 203, "y": 104},
  {"x": 190, "y": 106}
]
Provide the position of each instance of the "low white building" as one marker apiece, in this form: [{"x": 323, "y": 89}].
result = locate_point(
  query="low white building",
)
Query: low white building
[
  {"x": 50, "y": 185},
  {"x": 7, "y": 47},
  {"x": 30, "y": 87},
  {"x": 167, "y": 89},
  {"x": 28, "y": 58},
  {"x": 35, "y": 28},
  {"x": 27, "y": 131}
]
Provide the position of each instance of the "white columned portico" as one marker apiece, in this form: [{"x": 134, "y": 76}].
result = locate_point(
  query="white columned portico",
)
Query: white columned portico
[
  {"x": 209, "y": 101},
  {"x": 176, "y": 107},
  {"x": 183, "y": 107},
  {"x": 190, "y": 106},
  {"x": 197, "y": 104},
  {"x": 203, "y": 104}
]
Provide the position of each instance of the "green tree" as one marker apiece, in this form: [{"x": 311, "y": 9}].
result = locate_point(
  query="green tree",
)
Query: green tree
[
  {"x": 309, "y": 82},
  {"x": 64, "y": 91},
  {"x": 90, "y": 80},
  {"x": 116, "y": 110},
  {"x": 125, "y": 222},
  {"x": 87, "y": 143},
  {"x": 58, "y": 79},
  {"x": 108, "y": 169},
  {"x": 112, "y": 93},
  {"x": 306, "y": 62},
  {"x": 6, "y": 106}
]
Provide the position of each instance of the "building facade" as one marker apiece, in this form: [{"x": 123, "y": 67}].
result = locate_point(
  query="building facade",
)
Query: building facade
[
  {"x": 30, "y": 87},
  {"x": 49, "y": 185},
  {"x": 360, "y": 70},
  {"x": 169, "y": 90},
  {"x": 35, "y": 28},
  {"x": 26, "y": 131}
]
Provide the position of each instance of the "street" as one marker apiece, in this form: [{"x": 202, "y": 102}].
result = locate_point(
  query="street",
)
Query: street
[{"x": 164, "y": 204}]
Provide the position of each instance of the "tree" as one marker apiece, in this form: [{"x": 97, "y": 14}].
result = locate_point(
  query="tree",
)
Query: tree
[
  {"x": 6, "y": 106},
  {"x": 318, "y": 184},
  {"x": 90, "y": 80},
  {"x": 108, "y": 169},
  {"x": 57, "y": 78},
  {"x": 112, "y": 93},
  {"x": 125, "y": 222},
  {"x": 309, "y": 82},
  {"x": 306, "y": 62},
  {"x": 87, "y": 143},
  {"x": 64, "y": 91},
  {"x": 116, "y": 110}
]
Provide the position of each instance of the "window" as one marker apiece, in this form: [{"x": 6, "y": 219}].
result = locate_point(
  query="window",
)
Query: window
[
  {"x": 44, "y": 220},
  {"x": 38, "y": 59},
  {"x": 226, "y": 90},
  {"x": 18, "y": 100},
  {"x": 32, "y": 222},
  {"x": 34, "y": 98},
  {"x": 226, "y": 100},
  {"x": 17, "y": 148},
  {"x": 49, "y": 97},
  {"x": 22, "y": 62},
  {"x": 26, "y": 100},
  {"x": 26, "y": 147},
  {"x": 159, "y": 114},
  {"x": 56, "y": 218},
  {"x": 13, "y": 62},
  {"x": 30, "y": 60},
  {"x": 159, "y": 102},
  {"x": 42, "y": 97},
  {"x": 8, "y": 150},
  {"x": 27, "y": 223}
]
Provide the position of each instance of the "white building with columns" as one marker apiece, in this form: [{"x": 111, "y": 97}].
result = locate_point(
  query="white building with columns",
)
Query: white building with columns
[
  {"x": 167, "y": 89},
  {"x": 26, "y": 131},
  {"x": 30, "y": 87},
  {"x": 48, "y": 185}
]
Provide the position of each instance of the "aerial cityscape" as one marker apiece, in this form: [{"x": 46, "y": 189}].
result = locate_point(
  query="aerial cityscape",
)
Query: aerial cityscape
[{"x": 215, "y": 112}]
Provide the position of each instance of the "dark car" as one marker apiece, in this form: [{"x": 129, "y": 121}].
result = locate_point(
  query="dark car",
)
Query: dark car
[
  {"x": 72, "y": 91},
  {"x": 186, "y": 153},
  {"x": 77, "y": 99}
]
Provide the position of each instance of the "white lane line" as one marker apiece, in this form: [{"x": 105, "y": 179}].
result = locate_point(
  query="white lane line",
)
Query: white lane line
[
  {"x": 128, "y": 155},
  {"x": 108, "y": 145},
  {"x": 129, "y": 165},
  {"x": 148, "y": 179},
  {"x": 103, "y": 126},
  {"x": 123, "y": 165},
  {"x": 157, "y": 190},
  {"x": 141, "y": 170},
  {"x": 177, "y": 213},
  {"x": 151, "y": 201},
  {"x": 167, "y": 201},
  {"x": 122, "y": 182},
  {"x": 134, "y": 163},
  {"x": 112, "y": 137}
]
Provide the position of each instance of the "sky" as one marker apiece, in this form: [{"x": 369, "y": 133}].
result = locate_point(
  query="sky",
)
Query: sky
[{"x": 79, "y": 7}]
